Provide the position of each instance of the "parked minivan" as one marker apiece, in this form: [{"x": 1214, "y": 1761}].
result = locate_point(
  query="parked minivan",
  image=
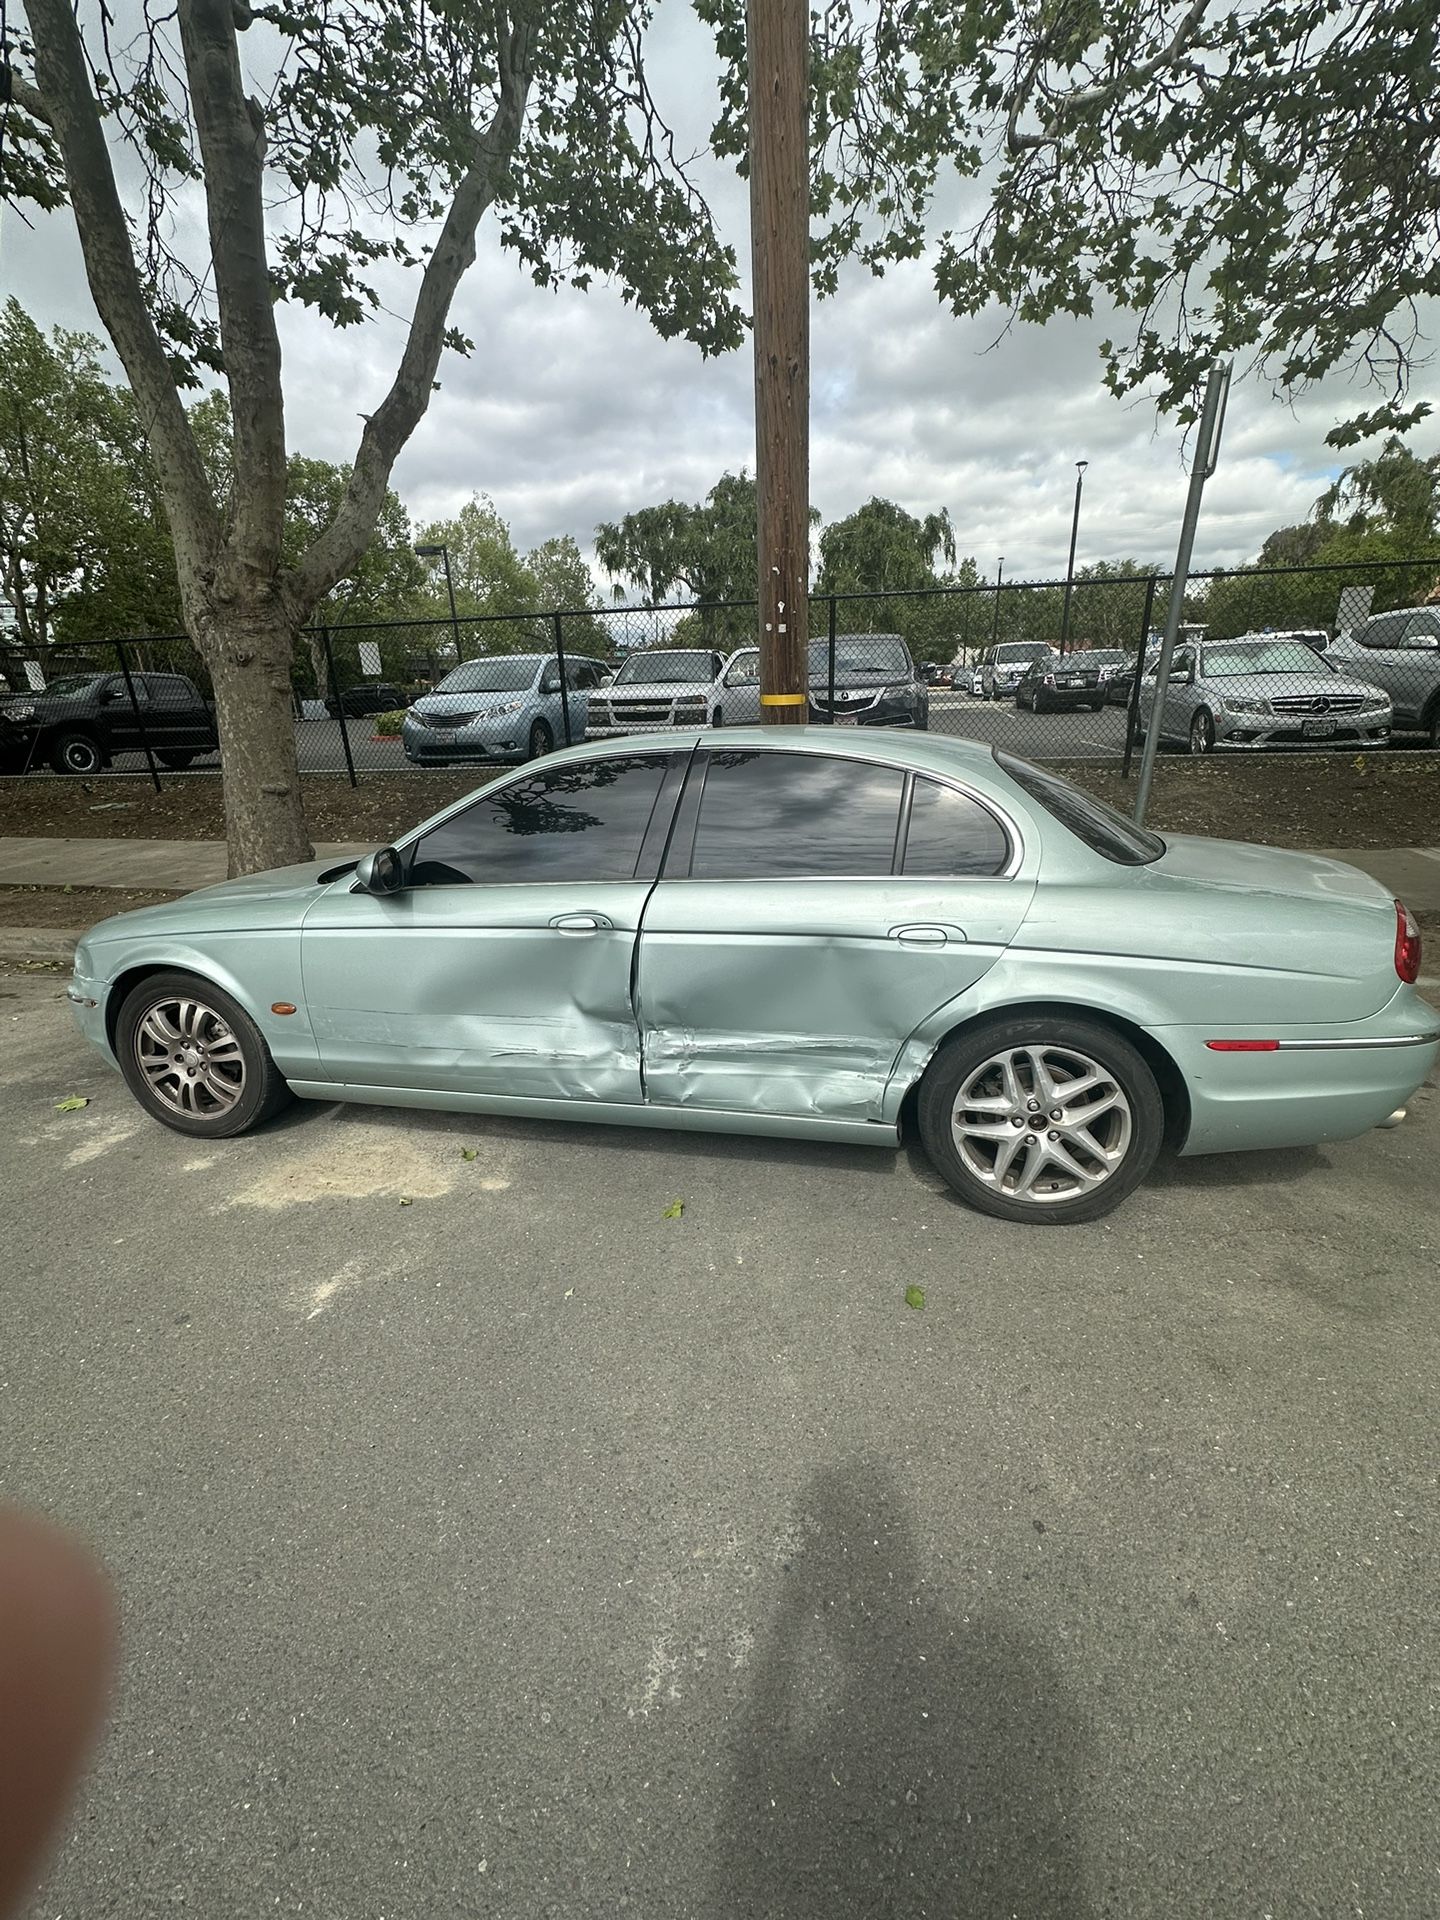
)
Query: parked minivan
[
  {"x": 1002, "y": 666},
  {"x": 500, "y": 707}
]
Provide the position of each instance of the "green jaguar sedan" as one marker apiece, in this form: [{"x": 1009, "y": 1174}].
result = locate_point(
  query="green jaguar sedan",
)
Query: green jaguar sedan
[{"x": 804, "y": 931}]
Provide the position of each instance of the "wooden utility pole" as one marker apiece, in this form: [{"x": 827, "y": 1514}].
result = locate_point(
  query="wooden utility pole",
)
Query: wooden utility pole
[{"x": 778, "y": 33}]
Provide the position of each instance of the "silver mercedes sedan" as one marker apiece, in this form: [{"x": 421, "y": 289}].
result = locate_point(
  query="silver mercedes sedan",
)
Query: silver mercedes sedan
[
  {"x": 1263, "y": 691},
  {"x": 834, "y": 934}
]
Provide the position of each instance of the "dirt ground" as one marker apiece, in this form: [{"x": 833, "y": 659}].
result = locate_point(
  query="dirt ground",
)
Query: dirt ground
[
  {"x": 71, "y": 906},
  {"x": 1314, "y": 800}
]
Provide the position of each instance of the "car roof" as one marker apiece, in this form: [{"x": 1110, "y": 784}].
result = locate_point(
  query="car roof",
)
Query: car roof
[{"x": 926, "y": 752}]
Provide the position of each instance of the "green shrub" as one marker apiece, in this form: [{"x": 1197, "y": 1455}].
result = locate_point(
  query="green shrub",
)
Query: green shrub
[{"x": 389, "y": 723}]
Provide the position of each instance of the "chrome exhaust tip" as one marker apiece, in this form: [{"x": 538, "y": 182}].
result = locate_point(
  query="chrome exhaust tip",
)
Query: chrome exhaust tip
[{"x": 1395, "y": 1118}]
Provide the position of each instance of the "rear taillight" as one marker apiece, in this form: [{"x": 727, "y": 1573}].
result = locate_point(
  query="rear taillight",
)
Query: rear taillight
[{"x": 1407, "y": 944}]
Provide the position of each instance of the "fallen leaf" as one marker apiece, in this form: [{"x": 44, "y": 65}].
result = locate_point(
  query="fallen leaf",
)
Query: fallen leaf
[
  {"x": 469, "y": 1153},
  {"x": 915, "y": 1297},
  {"x": 407, "y": 1203},
  {"x": 674, "y": 1210},
  {"x": 569, "y": 1293},
  {"x": 73, "y": 1104}
]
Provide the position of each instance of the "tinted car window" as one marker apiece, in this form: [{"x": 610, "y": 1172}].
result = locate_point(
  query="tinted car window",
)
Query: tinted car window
[
  {"x": 582, "y": 822},
  {"x": 1420, "y": 629},
  {"x": 1382, "y": 632},
  {"x": 950, "y": 833},
  {"x": 767, "y": 815},
  {"x": 1100, "y": 827}
]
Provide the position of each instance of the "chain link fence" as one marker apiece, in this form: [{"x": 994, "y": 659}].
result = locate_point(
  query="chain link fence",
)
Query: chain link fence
[{"x": 1269, "y": 659}]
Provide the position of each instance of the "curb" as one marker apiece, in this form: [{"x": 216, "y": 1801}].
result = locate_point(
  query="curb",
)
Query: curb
[{"x": 39, "y": 943}]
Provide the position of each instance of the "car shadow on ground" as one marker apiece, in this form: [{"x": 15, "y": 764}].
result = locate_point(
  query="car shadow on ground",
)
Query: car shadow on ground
[
  {"x": 1211, "y": 1172},
  {"x": 894, "y": 1757},
  {"x": 467, "y": 1128}
]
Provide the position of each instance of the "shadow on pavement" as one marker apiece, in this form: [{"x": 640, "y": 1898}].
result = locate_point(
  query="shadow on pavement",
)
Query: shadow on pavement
[{"x": 895, "y": 1759}]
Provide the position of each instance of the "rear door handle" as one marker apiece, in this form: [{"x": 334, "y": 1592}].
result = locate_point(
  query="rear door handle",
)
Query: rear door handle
[
  {"x": 920, "y": 936},
  {"x": 581, "y": 922}
]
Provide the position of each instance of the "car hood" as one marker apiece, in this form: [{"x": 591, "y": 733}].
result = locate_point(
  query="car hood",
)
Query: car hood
[
  {"x": 1265, "y": 686},
  {"x": 260, "y": 900},
  {"x": 442, "y": 703}
]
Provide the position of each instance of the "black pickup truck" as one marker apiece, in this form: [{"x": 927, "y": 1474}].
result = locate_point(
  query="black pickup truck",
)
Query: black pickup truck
[{"x": 81, "y": 721}]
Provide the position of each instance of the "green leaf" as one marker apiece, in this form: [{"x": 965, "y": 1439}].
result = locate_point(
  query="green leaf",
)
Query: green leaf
[
  {"x": 915, "y": 1297},
  {"x": 674, "y": 1210},
  {"x": 72, "y": 1104},
  {"x": 469, "y": 1153}
]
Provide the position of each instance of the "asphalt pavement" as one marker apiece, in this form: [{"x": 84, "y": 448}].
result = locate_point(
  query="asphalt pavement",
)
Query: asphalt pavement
[{"x": 522, "y": 1551}]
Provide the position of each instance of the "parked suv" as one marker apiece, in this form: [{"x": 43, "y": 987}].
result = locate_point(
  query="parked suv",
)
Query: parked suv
[
  {"x": 1002, "y": 667},
  {"x": 1400, "y": 652},
  {"x": 876, "y": 684},
  {"x": 504, "y": 707},
  {"x": 660, "y": 687},
  {"x": 82, "y": 720},
  {"x": 368, "y": 696},
  {"x": 1263, "y": 690}
]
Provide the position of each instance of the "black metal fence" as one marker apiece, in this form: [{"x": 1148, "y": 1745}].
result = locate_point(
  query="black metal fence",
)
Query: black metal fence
[{"x": 1269, "y": 659}]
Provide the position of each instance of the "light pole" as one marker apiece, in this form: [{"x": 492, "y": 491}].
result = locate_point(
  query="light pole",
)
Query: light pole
[
  {"x": 443, "y": 553},
  {"x": 1080, "y": 466},
  {"x": 999, "y": 576}
]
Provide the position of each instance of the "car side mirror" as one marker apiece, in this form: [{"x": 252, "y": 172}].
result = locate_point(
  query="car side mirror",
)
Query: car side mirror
[
  {"x": 108, "y": 695},
  {"x": 550, "y": 684},
  {"x": 380, "y": 872}
]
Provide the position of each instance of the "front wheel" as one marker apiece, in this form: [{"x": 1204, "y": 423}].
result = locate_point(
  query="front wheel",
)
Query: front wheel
[
  {"x": 541, "y": 740},
  {"x": 76, "y": 753},
  {"x": 1041, "y": 1119},
  {"x": 1202, "y": 732},
  {"x": 177, "y": 762},
  {"x": 194, "y": 1058}
]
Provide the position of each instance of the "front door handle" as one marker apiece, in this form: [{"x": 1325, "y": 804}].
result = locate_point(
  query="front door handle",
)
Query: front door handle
[
  {"x": 922, "y": 936},
  {"x": 581, "y": 922}
]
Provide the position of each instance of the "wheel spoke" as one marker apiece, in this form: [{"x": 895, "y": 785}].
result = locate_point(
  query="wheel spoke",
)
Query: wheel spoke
[
  {"x": 1005, "y": 1154},
  {"x": 1046, "y": 1090},
  {"x": 159, "y": 1027},
  {"x": 225, "y": 1052},
  {"x": 986, "y": 1130},
  {"x": 1035, "y": 1157}
]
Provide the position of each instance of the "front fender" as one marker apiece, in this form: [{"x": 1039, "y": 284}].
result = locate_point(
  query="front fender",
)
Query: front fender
[{"x": 257, "y": 969}]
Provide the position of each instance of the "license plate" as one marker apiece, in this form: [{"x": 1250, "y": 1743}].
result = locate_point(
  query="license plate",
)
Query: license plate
[
  {"x": 1072, "y": 683},
  {"x": 846, "y": 719},
  {"x": 1318, "y": 729}
]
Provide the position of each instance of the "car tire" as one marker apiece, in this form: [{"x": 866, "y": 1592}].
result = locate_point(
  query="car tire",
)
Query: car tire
[
  {"x": 177, "y": 762},
  {"x": 77, "y": 753},
  {"x": 1107, "y": 1165},
  {"x": 542, "y": 740},
  {"x": 719, "y": 719},
  {"x": 1430, "y": 723},
  {"x": 219, "y": 1080},
  {"x": 1202, "y": 732}
]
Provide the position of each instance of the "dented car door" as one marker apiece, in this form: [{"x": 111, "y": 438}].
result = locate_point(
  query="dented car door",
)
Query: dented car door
[
  {"x": 813, "y": 912},
  {"x": 504, "y": 964}
]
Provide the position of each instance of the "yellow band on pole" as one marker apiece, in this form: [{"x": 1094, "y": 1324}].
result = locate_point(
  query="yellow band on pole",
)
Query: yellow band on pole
[{"x": 784, "y": 699}]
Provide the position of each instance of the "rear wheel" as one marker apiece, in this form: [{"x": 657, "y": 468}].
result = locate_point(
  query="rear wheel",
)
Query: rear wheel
[
  {"x": 541, "y": 739},
  {"x": 194, "y": 1058},
  {"x": 77, "y": 753},
  {"x": 1041, "y": 1118},
  {"x": 1202, "y": 732}
]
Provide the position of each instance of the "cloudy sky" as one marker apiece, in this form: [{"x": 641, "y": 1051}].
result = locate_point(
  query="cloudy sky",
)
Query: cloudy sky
[{"x": 573, "y": 411}]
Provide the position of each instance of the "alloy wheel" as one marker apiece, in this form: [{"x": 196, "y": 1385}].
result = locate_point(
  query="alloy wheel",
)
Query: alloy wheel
[
  {"x": 1202, "y": 733},
  {"x": 1042, "y": 1124},
  {"x": 191, "y": 1060}
]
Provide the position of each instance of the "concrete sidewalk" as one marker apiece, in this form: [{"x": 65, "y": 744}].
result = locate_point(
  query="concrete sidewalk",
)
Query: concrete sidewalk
[{"x": 180, "y": 865}]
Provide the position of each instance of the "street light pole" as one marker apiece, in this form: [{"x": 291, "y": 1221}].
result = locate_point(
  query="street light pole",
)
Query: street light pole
[
  {"x": 1080, "y": 466},
  {"x": 999, "y": 576},
  {"x": 443, "y": 553}
]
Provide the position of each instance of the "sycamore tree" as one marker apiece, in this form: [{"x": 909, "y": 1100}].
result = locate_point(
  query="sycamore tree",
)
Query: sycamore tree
[{"x": 346, "y": 144}]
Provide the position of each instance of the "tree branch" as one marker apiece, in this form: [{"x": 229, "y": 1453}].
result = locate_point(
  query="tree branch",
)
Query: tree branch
[
  {"x": 74, "y": 117},
  {"x": 231, "y": 134},
  {"x": 30, "y": 100},
  {"x": 1060, "y": 104},
  {"x": 386, "y": 431}
]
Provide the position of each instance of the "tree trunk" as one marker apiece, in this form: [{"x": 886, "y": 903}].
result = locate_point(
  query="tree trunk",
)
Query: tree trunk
[{"x": 248, "y": 651}]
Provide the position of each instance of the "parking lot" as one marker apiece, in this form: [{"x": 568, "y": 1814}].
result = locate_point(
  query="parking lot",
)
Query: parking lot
[{"x": 523, "y": 1551}]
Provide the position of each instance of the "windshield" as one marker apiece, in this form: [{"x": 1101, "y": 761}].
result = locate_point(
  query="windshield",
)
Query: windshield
[
  {"x": 666, "y": 669},
  {"x": 1103, "y": 830},
  {"x": 507, "y": 674},
  {"x": 1101, "y": 657},
  {"x": 879, "y": 654},
  {"x": 1262, "y": 656},
  {"x": 1023, "y": 650},
  {"x": 69, "y": 684}
]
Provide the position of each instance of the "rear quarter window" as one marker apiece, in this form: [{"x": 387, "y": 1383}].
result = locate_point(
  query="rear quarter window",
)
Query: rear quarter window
[{"x": 1102, "y": 829}]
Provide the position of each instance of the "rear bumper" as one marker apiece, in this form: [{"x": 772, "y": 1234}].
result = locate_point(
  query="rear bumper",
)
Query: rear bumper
[{"x": 1321, "y": 1083}]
